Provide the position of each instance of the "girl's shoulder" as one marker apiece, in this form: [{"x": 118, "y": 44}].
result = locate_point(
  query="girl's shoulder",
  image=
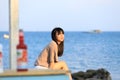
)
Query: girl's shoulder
[{"x": 53, "y": 43}]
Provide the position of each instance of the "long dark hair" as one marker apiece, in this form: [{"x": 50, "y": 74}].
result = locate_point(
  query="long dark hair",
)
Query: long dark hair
[{"x": 61, "y": 45}]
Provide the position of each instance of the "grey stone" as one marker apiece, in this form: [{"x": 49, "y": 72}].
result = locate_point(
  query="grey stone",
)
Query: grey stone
[{"x": 100, "y": 74}]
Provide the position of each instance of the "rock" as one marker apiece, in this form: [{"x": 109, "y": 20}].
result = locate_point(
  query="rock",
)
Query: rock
[{"x": 100, "y": 74}]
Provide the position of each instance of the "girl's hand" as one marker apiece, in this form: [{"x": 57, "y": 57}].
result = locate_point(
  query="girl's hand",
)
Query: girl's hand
[{"x": 51, "y": 65}]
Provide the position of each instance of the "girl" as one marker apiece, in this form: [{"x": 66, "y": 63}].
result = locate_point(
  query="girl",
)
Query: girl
[{"x": 48, "y": 58}]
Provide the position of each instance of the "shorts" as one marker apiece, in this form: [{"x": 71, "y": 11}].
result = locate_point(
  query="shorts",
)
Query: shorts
[{"x": 40, "y": 67}]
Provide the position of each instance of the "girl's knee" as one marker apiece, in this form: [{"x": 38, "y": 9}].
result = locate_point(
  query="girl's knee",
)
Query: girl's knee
[{"x": 63, "y": 62}]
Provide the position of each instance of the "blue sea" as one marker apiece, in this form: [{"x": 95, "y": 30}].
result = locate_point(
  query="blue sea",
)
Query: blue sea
[{"x": 82, "y": 50}]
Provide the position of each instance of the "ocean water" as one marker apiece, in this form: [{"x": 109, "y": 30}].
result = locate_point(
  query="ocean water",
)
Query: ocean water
[{"x": 82, "y": 50}]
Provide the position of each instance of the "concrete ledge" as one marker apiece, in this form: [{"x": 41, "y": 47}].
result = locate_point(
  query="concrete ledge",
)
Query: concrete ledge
[{"x": 33, "y": 72}]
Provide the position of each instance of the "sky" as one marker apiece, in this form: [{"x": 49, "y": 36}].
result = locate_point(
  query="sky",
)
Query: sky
[{"x": 71, "y": 15}]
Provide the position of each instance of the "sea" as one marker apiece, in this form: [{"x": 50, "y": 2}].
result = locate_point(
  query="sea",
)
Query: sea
[{"x": 82, "y": 50}]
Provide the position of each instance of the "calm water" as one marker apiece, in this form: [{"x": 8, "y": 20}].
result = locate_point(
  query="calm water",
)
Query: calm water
[{"x": 82, "y": 50}]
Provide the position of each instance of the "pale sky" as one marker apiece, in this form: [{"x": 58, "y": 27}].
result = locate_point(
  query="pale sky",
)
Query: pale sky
[{"x": 71, "y": 15}]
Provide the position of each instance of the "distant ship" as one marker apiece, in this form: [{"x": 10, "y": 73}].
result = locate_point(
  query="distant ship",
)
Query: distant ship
[{"x": 96, "y": 31}]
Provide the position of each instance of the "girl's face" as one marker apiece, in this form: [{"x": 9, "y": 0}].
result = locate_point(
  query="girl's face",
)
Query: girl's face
[{"x": 59, "y": 37}]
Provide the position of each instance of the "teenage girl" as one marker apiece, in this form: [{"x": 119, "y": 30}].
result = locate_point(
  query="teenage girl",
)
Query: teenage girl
[{"x": 48, "y": 58}]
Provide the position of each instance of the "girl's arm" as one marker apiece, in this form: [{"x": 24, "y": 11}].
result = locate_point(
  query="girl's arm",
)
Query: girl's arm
[{"x": 53, "y": 55}]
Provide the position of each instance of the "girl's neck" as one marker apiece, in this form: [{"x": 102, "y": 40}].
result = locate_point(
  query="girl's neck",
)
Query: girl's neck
[{"x": 58, "y": 42}]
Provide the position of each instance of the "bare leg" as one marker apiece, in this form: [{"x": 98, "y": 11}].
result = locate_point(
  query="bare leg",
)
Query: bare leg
[{"x": 63, "y": 66}]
